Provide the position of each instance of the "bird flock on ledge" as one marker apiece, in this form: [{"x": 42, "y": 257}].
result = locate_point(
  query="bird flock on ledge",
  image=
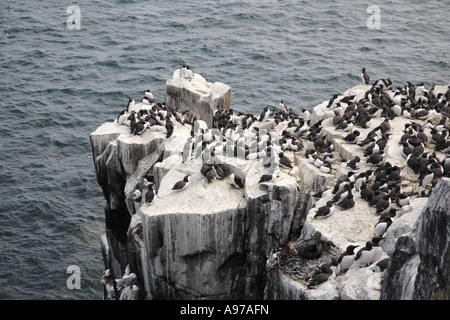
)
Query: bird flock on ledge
[
  {"x": 248, "y": 136},
  {"x": 424, "y": 145}
]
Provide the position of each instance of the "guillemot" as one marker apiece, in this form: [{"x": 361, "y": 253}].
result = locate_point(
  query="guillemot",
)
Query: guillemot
[
  {"x": 365, "y": 76},
  {"x": 347, "y": 258},
  {"x": 182, "y": 184},
  {"x": 364, "y": 255},
  {"x": 325, "y": 211}
]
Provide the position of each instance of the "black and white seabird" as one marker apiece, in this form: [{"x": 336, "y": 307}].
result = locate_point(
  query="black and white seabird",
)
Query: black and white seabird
[
  {"x": 306, "y": 115},
  {"x": 345, "y": 126},
  {"x": 182, "y": 184},
  {"x": 211, "y": 175},
  {"x": 283, "y": 106},
  {"x": 270, "y": 176},
  {"x": 150, "y": 194},
  {"x": 327, "y": 271},
  {"x": 149, "y": 95},
  {"x": 333, "y": 101},
  {"x": 347, "y": 258},
  {"x": 383, "y": 204},
  {"x": 426, "y": 178},
  {"x": 353, "y": 137},
  {"x": 380, "y": 266},
  {"x": 342, "y": 181},
  {"x": 236, "y": 181},
  {"x": 382, "y": 225},
  {"x": 319, "y": 279},
  {"x": 348, "y": 99},
  {"x": 385, "y": 125},
  {"x": 325, "y": 167},
  {"x": 364, "y": 255},
  {"x": 365, "y": 76},
  {"x": 284, "y": 161},
  {"x": 377, "y": 158},
  {"x": 347, "y": 202},
  {"x": 264, "y": 114},
  {"x": 325, "y": 211},
  {"x": 355, "y": 163},
  {"x": 366, "y": 192},
  {"x": 344, "y": 192}
]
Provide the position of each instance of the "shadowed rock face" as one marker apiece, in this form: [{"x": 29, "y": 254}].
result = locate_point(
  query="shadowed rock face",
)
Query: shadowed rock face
[
  {"x": 433, "y": 239},
  {"x": 419, "y": 264}
]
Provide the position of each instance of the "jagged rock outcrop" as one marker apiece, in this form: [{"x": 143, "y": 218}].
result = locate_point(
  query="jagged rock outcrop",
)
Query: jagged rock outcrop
[
  {"x": 419, "y": 265},
  {"x": 198, "y": 95},
  {"x": 216, "y": 241},
  {"x": 209, "y": 241},
  {"x": 356, "y": 225}
]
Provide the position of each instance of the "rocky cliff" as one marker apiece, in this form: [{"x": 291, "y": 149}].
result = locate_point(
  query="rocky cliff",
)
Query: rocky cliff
[{"x": 218, "y": 239}]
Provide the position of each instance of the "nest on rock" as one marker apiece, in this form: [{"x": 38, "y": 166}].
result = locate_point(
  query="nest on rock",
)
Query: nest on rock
[{"x": 289, "y": 262}]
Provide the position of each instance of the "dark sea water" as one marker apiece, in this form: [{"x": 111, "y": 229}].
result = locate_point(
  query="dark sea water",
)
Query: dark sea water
[{"x": 58, "y": 84}]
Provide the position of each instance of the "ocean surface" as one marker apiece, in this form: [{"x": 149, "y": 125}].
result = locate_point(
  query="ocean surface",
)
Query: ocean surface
[{"x": 58, "y": 83}]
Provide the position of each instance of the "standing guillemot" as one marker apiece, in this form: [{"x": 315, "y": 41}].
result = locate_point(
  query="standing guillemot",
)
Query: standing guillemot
[
  {"x": 123, "y": 116},
  {"x": 283, "y": 106},
  {"x": 182, "y": 184},
  {"x": 397, "y": 99},
  {"x": 365, "y": 76},
  {"x": 382, "y": 225},
  {"x": 333, "y": 101},
  {"x": 347, "y": 258},
  {"x": 306, "y": 115},
  {"x": 264, "y": 114},
  {"x": 150, "y": 194},
  {"x": 149, "y": 95},
  {"x": 364, "y": 255},
  {"x": 186, "y": 72}
]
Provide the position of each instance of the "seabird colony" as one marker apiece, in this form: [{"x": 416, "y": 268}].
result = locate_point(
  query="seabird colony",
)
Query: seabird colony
[
  {"x": 267, "y": 137},
  {"x": 424, "y": 137}
]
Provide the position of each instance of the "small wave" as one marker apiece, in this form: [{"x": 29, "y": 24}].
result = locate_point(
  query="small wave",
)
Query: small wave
[{"x": 109, "y": 63}]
